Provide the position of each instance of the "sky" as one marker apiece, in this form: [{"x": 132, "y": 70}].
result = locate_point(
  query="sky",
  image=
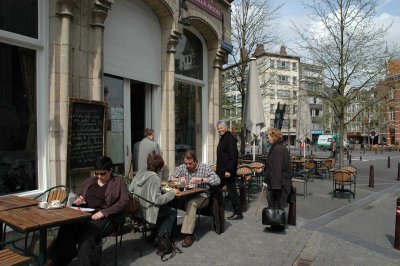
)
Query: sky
[{"x": 293, "y": 10}]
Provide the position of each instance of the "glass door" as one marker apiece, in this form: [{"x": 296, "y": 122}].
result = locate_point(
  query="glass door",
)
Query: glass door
[
  {"x": 129, "y": 112},
  {"x": 116, "y": 137}
]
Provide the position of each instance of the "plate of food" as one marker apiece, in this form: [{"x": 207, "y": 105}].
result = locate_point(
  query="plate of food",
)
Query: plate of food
[
  {"x": 190, "y": 186},
  {"x": 165, "y": 188}
]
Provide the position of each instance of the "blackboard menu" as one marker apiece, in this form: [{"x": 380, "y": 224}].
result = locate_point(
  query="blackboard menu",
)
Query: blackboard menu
[{"x": 86, "y": 133}]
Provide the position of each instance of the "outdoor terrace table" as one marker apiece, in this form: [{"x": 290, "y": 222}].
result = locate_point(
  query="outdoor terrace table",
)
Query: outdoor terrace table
[
  {"x": 244, "y": 174},
  {"x": 297, "y": 165},
  {"x": 12, "y": 202},
  {"x": 32, "y": 218},
  {"x": 189, "y": 192}
]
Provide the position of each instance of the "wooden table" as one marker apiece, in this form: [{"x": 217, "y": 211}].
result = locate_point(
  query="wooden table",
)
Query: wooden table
[
  {"x": 32, "y": 218},
  {"x": 12, "y": 202},
  {"x": 189, "y": 192}
]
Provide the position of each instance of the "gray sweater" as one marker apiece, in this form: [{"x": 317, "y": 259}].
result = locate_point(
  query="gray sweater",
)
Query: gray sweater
[{"x": 147, "y": 184}]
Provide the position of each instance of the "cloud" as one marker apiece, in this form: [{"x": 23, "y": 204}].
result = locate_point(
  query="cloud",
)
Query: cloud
[{"x": 393, "y": 35}]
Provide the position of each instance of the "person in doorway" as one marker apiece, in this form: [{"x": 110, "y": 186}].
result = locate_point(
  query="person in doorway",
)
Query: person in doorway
[
  {"x": 192, "y": 172},
  {"x": 147, "y": 185},
  {"x": 278, "y": 171},
  {"x": 107, "y": 195},
  {"x": 227, "y": 162},
  {"x": 143, "y": 148}
]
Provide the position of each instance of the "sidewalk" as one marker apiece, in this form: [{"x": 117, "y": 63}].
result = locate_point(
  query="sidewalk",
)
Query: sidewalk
[{"x": 339, "y": 231}]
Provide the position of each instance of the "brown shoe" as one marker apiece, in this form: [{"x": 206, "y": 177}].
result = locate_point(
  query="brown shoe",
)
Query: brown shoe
[{"x": 188, "y": 241}]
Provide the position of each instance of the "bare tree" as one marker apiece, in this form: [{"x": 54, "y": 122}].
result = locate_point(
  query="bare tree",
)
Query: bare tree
[
  {"x": 343, "y": 38},
  {"x": 253, "y": 22}
]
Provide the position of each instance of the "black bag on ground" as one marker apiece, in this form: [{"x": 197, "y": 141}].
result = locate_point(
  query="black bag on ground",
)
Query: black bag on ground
[
  {"x": 273, "y": 217},
  {"x": 167, "y": 246}
]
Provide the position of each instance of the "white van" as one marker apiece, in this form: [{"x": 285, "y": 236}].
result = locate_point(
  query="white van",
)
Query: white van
[{"x": 325, "y": 142}]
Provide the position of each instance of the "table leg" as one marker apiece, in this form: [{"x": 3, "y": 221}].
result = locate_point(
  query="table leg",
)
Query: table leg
[
  {"x": 1, "y": 232},
  {"x": 243, "y": 193},
  {"x": 43, "y": 246}
]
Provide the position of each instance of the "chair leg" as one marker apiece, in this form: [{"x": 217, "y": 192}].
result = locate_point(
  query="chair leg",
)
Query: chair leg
[{"x": 116, "y": 247}]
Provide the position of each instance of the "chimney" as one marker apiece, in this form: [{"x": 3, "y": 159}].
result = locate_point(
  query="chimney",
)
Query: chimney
[
  {"x": 283, "y": 50},
  {"x": 259, "y": 50}
]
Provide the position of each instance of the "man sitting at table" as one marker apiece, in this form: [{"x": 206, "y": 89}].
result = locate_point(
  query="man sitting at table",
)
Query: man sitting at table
[
  {"x": 191, "y": 172},
  {"x": 107, "y": 195}
]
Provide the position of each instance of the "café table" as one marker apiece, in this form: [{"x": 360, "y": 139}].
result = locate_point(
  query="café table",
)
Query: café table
[
  {"x": 189, "y": 192},
  {"x": 244, "y": 174},
  {"x": 11, "y": 202},
  {"x": 32, "y": 218}
]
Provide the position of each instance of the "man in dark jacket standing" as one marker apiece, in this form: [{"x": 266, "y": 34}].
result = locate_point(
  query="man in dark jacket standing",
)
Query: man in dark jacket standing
[{"x": 227, "y": 161}]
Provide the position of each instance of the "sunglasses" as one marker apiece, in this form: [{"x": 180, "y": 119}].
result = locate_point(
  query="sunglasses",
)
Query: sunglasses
[{"x": 100, "y": 173}]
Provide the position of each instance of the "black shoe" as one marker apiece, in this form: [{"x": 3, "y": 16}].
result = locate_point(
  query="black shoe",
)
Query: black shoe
[{"x": 235, "y": 217}]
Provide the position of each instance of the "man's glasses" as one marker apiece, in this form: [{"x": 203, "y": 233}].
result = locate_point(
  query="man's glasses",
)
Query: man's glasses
[{"x": 100, "y": 173}]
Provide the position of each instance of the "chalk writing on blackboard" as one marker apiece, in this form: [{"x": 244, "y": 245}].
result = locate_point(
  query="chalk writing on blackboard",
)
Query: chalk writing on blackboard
[{"x": 86, "y": 133}]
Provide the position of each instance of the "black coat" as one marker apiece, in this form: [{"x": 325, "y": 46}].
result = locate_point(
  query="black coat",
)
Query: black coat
[
  {"x": 279, "y": 171},
  {"x": 227, "y": 155}
]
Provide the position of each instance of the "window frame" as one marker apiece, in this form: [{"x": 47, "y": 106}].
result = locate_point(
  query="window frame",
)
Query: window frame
[{"x": 40, "y": 46}]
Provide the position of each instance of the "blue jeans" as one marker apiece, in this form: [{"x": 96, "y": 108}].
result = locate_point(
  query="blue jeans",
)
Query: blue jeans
[{"x": 166, "y": 219}]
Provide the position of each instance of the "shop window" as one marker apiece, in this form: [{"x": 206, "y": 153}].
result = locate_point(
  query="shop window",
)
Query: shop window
[
  {"x": 20, "y": 17},
  {"x": 19, "y": 79},
  {"x": 18, "y": 119},
  {"x": 188, "y": 116},
  {"x": 189, "y": 56}
]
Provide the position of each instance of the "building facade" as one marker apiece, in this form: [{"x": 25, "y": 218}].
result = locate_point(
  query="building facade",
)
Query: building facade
[
  {"x": 391, "y": 86},
  {"x": 156, "y": 64},
  {"x": 279, "y": 81},
  {"x": 312, "y": 85}
]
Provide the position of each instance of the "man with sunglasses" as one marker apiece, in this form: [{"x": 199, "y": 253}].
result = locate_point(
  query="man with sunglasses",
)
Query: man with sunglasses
[{"x": 107, "y": 195}]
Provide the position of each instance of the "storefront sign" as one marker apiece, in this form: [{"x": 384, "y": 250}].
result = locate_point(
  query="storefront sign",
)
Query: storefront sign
[
  {"x": 317, "y": 132},
  {"x": 209, "y": 7}
]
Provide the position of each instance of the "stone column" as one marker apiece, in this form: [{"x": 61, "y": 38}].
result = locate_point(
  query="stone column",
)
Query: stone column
[
  {"x": 167, "y": 130},
  {"x": 217, "y": 57},
  {"x": 96, "y": 48},
  {"x": 60, "y": 90}
]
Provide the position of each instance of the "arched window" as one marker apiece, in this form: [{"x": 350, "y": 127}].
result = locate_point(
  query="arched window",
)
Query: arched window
[{"x": 190, "y": 96}]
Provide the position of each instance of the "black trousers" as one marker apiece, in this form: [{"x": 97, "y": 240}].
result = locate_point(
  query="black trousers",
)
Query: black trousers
[
  {"x": 81, "y": 240},
  {"x": 232, "y": 193}
]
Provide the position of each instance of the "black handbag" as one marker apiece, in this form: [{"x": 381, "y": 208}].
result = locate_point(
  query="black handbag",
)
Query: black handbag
[{"x": 273, "y": 217}]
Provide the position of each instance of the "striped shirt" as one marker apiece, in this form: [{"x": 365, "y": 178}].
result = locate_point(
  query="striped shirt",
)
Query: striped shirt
[{"x": 202, "y": 171}]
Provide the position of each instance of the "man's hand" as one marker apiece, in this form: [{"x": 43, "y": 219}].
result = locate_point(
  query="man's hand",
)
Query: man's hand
[
  {"x": 195, "y": 180},
  {"x": 227, "y": 174},
  {"x": 97, "y": 216}
]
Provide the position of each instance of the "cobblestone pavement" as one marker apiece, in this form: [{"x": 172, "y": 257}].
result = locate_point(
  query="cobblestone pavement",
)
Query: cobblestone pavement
[{"x": 339, "y": 231}]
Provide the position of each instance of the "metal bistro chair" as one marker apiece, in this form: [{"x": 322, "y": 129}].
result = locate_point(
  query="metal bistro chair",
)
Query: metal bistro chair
[
  {"x": 244, "y": 175},
  {"x": 121, "y": 225},
  {"x": 342, "y": 178},
  {"x": 325, "y": 169},
  {"x": 258, "y": 168}
]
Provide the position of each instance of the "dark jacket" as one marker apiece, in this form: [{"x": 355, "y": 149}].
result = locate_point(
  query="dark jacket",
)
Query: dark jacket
[
  {"x": 279, "y": 170},
  {"x": 116, "y": 194},
  {"x": 227, "y": 155}
]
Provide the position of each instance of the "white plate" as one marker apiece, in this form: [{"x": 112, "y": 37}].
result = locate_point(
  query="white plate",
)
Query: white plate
[{"x": 84, "y": 209}]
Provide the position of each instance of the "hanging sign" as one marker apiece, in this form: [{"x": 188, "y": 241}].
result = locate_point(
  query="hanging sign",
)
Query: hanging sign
[{"x": 209, "y": 7}]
